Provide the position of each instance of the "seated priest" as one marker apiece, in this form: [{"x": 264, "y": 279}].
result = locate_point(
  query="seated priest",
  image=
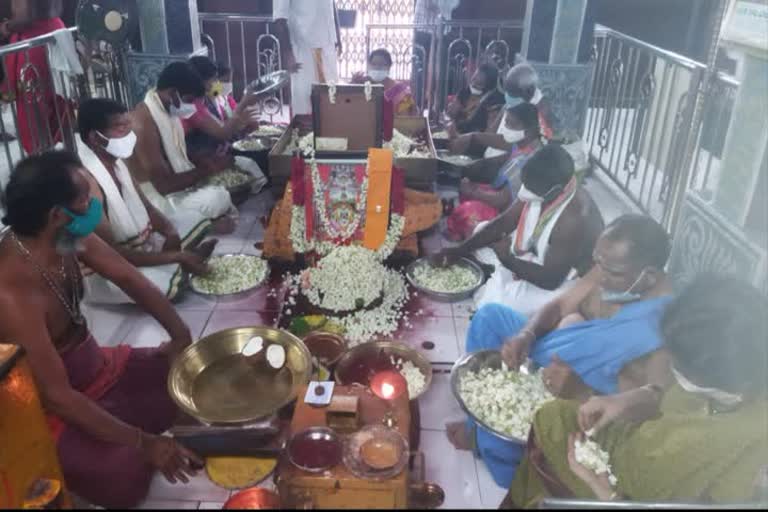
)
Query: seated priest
[
  {"x": 520, "y": 86},
  {"x": 161, "y": 246},
  {"x": 337, "y": 204},
  {"x": 160, "y": 162},
  {"x": 482, "y": 202},
  {"x": 535, "y": 248},
  {"x": 600, "y": 336},
  {"x": 107, "y": 407},
  {"x": 700, "y": 439}
]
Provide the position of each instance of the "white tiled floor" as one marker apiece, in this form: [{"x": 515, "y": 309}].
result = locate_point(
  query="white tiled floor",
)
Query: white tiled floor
[{"x": 466, "y": 481}]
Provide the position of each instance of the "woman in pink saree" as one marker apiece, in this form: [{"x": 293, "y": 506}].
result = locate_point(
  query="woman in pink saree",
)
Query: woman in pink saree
[
  {"x": 480, "y": 202},
  {"x": 396, "y": 94}
]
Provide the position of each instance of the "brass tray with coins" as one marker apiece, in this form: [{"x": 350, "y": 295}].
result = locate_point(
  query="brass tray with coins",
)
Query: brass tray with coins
[{"x": 212, "y": 382}]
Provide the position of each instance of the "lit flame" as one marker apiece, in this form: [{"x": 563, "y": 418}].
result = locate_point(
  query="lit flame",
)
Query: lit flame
[{"x": 387, "y": 390}]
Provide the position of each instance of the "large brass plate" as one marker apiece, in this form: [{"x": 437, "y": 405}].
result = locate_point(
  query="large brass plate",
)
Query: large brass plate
[{"x": 212, "y": 382}]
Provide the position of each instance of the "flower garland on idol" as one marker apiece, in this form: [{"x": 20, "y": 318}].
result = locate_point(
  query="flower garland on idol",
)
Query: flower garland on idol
[{"x": 348, "y": 275}]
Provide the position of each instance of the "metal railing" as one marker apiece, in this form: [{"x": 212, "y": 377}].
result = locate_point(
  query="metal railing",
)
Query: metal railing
[
  {"x": 236, "y": 39},
  {"x": 640, "y": 117},
  {"x": 40, "y": 102},
  {"x": 438, "y": 59}
]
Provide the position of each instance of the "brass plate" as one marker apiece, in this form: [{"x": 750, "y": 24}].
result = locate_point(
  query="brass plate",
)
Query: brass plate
[
  {"x": 235, "y": 473},
  {"x": 212, "y": 382}
]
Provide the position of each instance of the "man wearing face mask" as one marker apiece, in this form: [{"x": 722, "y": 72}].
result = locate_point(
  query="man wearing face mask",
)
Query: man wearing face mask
[
  {"x": 160, "y": 162},
  {"x": 520, "y": 86},
  {"x": 541, "y": 242},
  {"x": 703, "y": 438},
  {"x": 131, "y": 224},
  {"x": 599, "y": 337},
  {"x": 106, "y": 407}
]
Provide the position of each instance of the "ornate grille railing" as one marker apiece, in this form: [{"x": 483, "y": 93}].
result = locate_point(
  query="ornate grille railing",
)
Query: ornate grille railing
[
  {"x": 640, "y": 119},
  {"x": 31, "y": 104},
  {"x": 249, "y": 47}
]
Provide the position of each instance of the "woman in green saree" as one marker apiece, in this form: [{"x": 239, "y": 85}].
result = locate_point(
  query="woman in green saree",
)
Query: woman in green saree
[{"x": 704, "y": 440}]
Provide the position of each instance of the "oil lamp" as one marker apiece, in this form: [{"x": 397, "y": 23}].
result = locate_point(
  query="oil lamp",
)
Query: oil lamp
[{"x": 389, "y": 386}]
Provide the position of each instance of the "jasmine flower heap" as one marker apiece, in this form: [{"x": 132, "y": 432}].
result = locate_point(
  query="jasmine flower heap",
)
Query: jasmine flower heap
[
  {"x": 453, "y": 279},
  {"x": 504, "y": 400},
  {"x": 590, "y": 455}
]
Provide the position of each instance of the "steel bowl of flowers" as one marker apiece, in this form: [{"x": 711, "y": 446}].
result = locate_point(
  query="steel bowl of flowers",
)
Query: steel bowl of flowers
[
  {"x": 361, "y": 363},
  {"x": 233, "y": 277},
  {"x": 518, "y": 394},
  {"x": 453, "y": 283}
]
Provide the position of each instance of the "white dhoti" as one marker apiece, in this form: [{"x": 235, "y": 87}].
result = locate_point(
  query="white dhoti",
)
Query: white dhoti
[
  {"x": 130, "y": 226},
  {"x": 313, "y": 40},
  {"x": 251, "y": 167},
  {"x": 310, "y": 73},
  {"x": 211, "y": 201},
  {"x": 504, "y": 287}
]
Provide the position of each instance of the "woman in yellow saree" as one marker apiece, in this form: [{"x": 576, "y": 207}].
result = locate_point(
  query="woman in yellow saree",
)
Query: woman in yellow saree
[{"x": 703, "y": 440}]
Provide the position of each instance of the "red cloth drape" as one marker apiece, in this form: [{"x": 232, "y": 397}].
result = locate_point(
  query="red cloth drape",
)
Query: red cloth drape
[{"x": 37, "y": 119}]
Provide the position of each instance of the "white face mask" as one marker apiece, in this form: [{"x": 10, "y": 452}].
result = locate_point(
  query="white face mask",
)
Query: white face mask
[
  {"x": 723, "y": 397},
  {"x": 513, "y": 136},
  {"x": 120, "y": 148},
  {"x": 475, "y": 91},
  {"x": 378, "y": 75},
  {"x": 527, "y": 196},
  {"x": 226, "y": 88},
  {"x": 184, "y": 110}
]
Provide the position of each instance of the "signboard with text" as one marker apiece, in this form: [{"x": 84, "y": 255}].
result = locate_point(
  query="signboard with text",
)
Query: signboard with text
[{"x": 747, "y": 23}]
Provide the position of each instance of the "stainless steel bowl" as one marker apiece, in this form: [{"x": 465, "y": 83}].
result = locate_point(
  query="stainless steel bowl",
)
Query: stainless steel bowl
[
  {"x": 346, "y": 368},
  {"x": 212, "y": 382},
  {"x": 316, "y": 434},
  {"x": 441, "y": 296},
  {"x": 269, "y": 83},
  {"x": 230, "y": 297},
  {"x": 473, "y": 363}
]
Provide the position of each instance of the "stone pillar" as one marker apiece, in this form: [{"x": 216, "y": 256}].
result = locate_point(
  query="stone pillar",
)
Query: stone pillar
[
  {"x": 170, "y": 31},
  {"x": 557, "y": 41}
]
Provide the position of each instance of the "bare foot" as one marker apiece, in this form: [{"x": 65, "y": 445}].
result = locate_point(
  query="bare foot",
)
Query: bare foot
[
  {"x": 458, "y": 435},
  {"x": 224, "y": 226}
]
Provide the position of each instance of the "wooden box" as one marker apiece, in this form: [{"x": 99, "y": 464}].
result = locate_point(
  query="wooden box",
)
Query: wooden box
[
  {"x": 420, "y": 173},
  {"x": 337, "y": 488},
  {"x": 351, "y": 117}
]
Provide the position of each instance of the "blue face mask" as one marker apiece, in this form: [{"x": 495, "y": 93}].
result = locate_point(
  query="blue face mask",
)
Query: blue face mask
[
  {"x": 83, "y": 224},
  {"x": 512, "y": 101},
  {"x": 624, "y": 297}
]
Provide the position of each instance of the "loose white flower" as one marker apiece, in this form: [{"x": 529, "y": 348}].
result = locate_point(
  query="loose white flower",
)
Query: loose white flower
[
  {"x": 590, "y": 455},
  {"x": 412, "y": 375},
  {"x": 453, "y": 279},
  {"x": 231, "y": 274},
  {"x": 368, "y": 91},
  {"x": 403, "y": 146},
  {"x": 506, "y": 401},
  {"x": 267, "y": 130},
  {"x": 230, "y": 178},
  {"x": 332, "y": 92},
  {"x": 249, "y": 144}
]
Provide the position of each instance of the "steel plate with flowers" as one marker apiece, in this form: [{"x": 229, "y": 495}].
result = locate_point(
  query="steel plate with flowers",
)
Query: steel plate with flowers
[
  {"x": 450, "y": 284},
  {"x": 232, "y": 276}
]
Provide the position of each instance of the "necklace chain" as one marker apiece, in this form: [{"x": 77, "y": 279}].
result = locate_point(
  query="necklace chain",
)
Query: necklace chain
[{"x": 72, "y": 308}]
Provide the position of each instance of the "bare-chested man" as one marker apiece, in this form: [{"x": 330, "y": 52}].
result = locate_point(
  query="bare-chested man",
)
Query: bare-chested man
[
  {"x": 161, "y": 162},
  {"x": 599, "y": 337},
  {"x": 537, "y": 244},
  {"x": 107, "y": 407}
]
